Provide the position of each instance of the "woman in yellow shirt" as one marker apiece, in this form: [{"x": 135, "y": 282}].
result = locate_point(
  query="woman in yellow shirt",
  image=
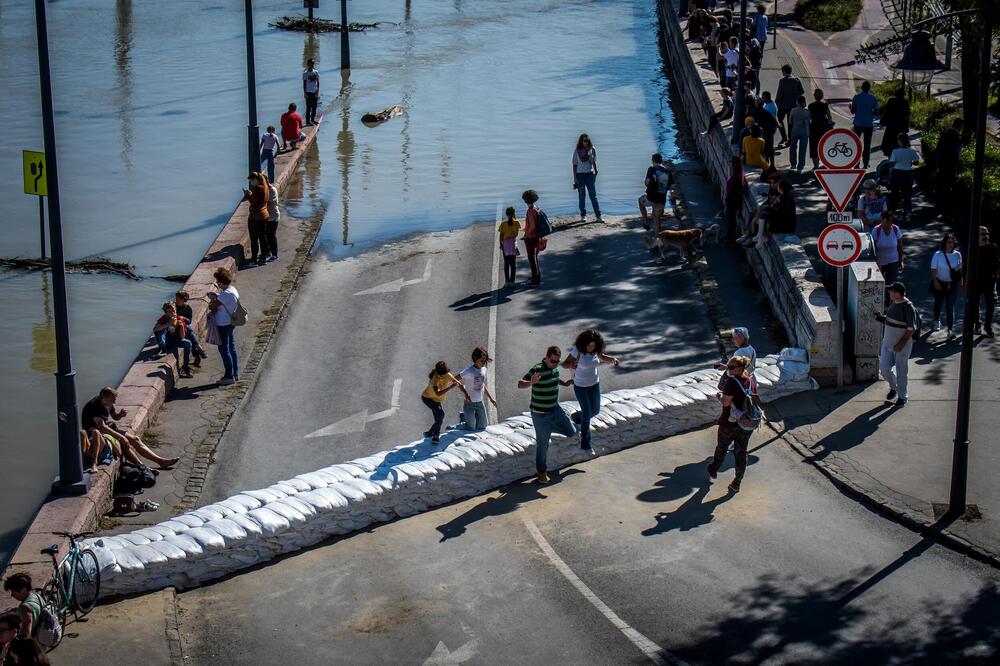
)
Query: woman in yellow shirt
[
  {"x": 509, "y": 229},
  {"x": 753, "y": 148},
  {"x": 440, "y": 381}
]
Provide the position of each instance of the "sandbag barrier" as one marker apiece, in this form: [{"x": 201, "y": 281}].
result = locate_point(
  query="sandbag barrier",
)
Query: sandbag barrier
[{"x": 257, "y": 525}]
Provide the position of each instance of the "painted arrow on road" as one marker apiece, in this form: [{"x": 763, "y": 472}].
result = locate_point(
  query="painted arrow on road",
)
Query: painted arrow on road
[
  {"x": 442, "y": 656},
  {"x": 358, "y": 422},
  {"x": 398, "y": 284}
]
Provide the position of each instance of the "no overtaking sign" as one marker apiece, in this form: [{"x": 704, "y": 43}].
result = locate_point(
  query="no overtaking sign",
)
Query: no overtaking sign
[{"x": 839, "y": 245}]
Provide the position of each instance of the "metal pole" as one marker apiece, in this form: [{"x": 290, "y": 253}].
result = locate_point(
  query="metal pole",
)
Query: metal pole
[
  {"x": 740, "y": 95},
  {"x": 71, "y": 479},
  {"x": 840, "y": 328},
  {"x": 774, "y": 45},
  {"x": 253, "y": 133},
  {"x": 41, "y": 222},
  {"x": 345, "y": 43},
  {"x": 310, "y": 11},
  {"x": 960, "y": 458}
]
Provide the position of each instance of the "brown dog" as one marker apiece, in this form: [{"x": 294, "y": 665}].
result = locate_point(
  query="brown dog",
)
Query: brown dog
[{"x": 683, "y": 240}]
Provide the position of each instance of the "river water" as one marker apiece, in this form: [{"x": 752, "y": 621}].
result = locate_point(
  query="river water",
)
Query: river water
[{"x": 150, "y": 121}]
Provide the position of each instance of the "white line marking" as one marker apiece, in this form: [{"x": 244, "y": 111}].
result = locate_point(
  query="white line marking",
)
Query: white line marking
[
  {"x": 491, "y": 336},
  {"x": 831, "y": 73},
  {"x": 397, "y": 284},
  {"x": 357, "y": 422},
  {"x": 653, "y": 652}
]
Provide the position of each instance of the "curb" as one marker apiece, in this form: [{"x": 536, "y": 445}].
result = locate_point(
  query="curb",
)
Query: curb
[{"x": 887, "y": 504}]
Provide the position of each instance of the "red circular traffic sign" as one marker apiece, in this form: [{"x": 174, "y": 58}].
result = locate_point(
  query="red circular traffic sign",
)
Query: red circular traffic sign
[
  {"x": 839, "y": 149},
  {"x": 839, "y": 245}
]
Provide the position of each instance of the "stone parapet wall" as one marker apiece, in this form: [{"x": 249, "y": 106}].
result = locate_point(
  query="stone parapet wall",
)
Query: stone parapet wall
[
  {"x": 258, "y": 525},
  {"x": 782, "y": 267}
]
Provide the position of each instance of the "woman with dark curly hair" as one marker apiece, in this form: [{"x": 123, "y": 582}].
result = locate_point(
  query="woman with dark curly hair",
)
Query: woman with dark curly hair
[
  {"x": 531, "y": 238},
  {"x": 584, "y": 357}
]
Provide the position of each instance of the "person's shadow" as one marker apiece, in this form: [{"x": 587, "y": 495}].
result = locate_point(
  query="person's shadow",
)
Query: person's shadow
[{"x": 695, "y": 511}]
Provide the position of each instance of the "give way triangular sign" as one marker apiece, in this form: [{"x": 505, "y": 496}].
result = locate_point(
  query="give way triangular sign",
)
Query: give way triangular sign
[{"x": 840, "y": 184}]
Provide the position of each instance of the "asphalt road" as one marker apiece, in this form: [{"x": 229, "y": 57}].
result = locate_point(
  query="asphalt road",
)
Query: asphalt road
[{"x": 364, "y": 328}]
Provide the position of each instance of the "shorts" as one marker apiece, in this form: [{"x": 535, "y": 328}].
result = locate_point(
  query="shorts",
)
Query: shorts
[{"x": 658, "y": 206}]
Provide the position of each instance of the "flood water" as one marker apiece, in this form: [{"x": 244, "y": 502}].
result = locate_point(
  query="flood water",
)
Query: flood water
[{"x": 150, "y": 103}]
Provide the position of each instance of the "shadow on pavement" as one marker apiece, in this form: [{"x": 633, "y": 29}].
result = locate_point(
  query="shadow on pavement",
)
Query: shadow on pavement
[{"x": 783, "y": 618}]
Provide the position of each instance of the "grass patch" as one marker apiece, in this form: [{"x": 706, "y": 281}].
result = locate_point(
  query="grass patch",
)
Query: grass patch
[{"x": 827, "y": 15}]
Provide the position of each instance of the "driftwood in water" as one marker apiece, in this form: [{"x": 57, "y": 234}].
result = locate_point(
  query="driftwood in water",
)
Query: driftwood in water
[
  {"x": 91, "y": 265},
  {"x": 372, "y": 119},
  {"x": 304, "y": 24}
]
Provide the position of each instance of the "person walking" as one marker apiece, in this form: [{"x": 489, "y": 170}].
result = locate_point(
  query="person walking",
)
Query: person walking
[
  {"x": 947, "y": 162},
  {"x": 740, "y": 387},
  {"x": 895, "y": 120},
  {"x": 903, "y": 159},
  {"x": 268, "y": 151},
  {"x": 257, "y": 195},
  {"x": 532, "y": 240},
  {"x": 585, "y": 176},
  {"x": 439, "y": 382},
  {"x": 864, "y": 106},
  {"x": 789, "y": 89},
  {"x": 658, "y": 182},
  {"x": 768, "y": 124},
  {"x": 223, "y": 305},
  {"x": 946, "y": 277},
  {"x": 820, "y": 122},
  {"x": 736, "y": 186},
  {"x": 584, "y": 359},
  {"x": 799, "y": 122},
  {"x": 897, "y": 342},
  {"x": 760, "y": 24},
  {"x": 888, "y": 242},
  {"x": 509, "y": 229},
  {"x": 547, "y": 416},
  {"x": 310, "y": 88},
  {"x": 271, "y": 226},
  {"x": 473, "y": 377},
  {"x": 871, "y": 205},
  {"x": 987, "y": 272}
]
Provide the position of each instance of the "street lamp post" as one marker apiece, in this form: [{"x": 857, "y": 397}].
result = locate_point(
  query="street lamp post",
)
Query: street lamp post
[
  {"x": 253, "y": 133},
  {"x": 960, "y": 456},
  {"x": 739, "y": 103},
  {"x": 71, "y": 480},
  {"x": 345, "y": 44}
]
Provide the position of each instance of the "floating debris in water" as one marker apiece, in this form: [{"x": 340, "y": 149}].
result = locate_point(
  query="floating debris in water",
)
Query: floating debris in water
[
  {"x": 372, "y": 119},
  {"x": 91, "y": 265},
  {"x": 305, "y": 24}
]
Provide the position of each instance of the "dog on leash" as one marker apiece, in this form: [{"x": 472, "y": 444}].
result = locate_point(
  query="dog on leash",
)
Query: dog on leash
[{"x": 685, "y": 241}]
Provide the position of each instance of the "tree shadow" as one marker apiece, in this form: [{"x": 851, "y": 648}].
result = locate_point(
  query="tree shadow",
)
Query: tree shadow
[
  {"x": 786, "y": 619},
  {"x": 511, "y": 497}
]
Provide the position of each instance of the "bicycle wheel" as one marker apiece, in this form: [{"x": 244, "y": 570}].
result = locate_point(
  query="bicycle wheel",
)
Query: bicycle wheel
[
  {"x": 54, "y": 595},
  {"x": 86, "y": 581}
]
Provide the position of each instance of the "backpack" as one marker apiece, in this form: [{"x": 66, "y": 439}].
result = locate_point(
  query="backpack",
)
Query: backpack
[
  {"x": 46, "y": 628},
  {"x": 750, "y": 416},
  {"x": 133, "y": 479},
  {"x": 917, "y": 321},
  {"x": 543, "y": 225},
  {"x": 239, "y": 315},
  {"x": 662, "y": 179}
]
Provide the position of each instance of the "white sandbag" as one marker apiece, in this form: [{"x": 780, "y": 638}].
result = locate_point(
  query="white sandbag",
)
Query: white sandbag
[
  {"x": 691, "y": 392},
  {"x": 208, "y": 539},
  {"x": 162, "y": 529},
  {"x": 353, "y": 470},
  {"x": 230, "y": 531},
  {"x": 283, "y": 487},
  {"x": 271, "y": 523},
  {"x": 450, "y": 459},
  {"x": 265, "y": 496},
  {"x": 177, "y": 526},
  {"x": 499, "y": 429},
  {"x": 288, "y": 512},
  {"x": 318, "y": 502},
  {"x": 135, "y": 538},
  {"x": 249, "y": 502},
  {"x": 206, "y": 513},
  {"x": 467, "y": 454},
  {"x": 150, "y": 533},
  {"x": 232, "y": 506},
  {"x": 338, "y": 472},
  {"x": 314, "y": 480},
  {"x": 249, "y": 525},
  {"x": 128, "y": 561},
  {"x": 168, "y": 550},
  {"x": 148, "y": 556},
  {"x": 300, "y": 485},
  {"x": 337, "y": 499},
  {"x": 305, "y": 508},
  {"x": 105, "y": 556},
  {"x": 364, "y": 485}
]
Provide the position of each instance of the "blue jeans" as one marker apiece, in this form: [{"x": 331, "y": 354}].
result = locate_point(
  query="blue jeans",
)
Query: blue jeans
[
  {"x": 545, "y": 424},
  {"x": 227, "y": 349},
  {"x": 438, "y": 411},
  {"x": 587, "y": 181},
  {"x": 161, "y": 340},
  {"x": 267, "y": 156},
  {"x": 797, "y": 152},
  {"x": 474, "y": 414},
  {"x": 589, "y": 398},
  {"x": 947, "y": 296}
]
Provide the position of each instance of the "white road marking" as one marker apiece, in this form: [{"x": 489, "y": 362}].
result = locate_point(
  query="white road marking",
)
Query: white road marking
[
  {"x": 442, "y": 656},
  {"x": 357, "y": 422},
  {"x": 397, "y": 284},
  {"x": 653, "y": 652},
  {"x": 831, "y": 73},
  {"x": 491, "y": 336}
]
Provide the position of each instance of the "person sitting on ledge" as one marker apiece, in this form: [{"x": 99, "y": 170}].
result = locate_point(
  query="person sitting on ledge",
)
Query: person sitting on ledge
[
  {"x": 99, "y": 414},
  {"x": 171, "y": 333},
  {"x": 291, "y": 127}
]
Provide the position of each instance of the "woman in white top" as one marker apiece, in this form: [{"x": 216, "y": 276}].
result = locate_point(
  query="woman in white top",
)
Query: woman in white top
[
  {"x": 585, "y": 176},
  {"x": 584, "y": 357},
  {"x": 888, "y": 242},
  {"x": 741, "y": 338},
  {"x": 903, "y": 160},
  {"x": 474, "y": 380},
  {"x": 222, "y": 306},
  {"x": 946, "y": 277}
]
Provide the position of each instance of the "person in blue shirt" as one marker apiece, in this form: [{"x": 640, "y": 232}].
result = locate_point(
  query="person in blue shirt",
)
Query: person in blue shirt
[
  {"x": 760, "y": 25},
  {"x": 864, "y": 106}
]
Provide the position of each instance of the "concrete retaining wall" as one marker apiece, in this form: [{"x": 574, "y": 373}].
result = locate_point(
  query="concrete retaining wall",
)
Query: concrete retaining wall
[
  {"x": 257, "y": 525},
  {"x": 143, "y": 390},
  {"x": 784, "y": 271}
]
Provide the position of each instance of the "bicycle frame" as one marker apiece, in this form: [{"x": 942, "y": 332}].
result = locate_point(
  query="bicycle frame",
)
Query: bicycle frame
[{"x": 65, "y": 576}]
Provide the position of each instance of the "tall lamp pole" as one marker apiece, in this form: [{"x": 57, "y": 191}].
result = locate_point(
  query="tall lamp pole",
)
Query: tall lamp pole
[
  {"x": 71, "y": 479},
  {"x": 740, "y": 95},
  {"x": 253, "y": 133},
  {"x": 345, "y": 43}
]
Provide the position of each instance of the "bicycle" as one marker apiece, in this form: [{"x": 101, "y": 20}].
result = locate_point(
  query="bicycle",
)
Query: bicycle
[
  {"x": 76, "y": 581},
  {"x": 840, "y": 148}
]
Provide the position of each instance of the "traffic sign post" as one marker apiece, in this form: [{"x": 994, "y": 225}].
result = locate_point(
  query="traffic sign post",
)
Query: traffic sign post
[
  {"x": 839, "y": 149},
  {"x": 840, "y": 246},
  {"x": 35, "y": 182},
  {"x": 840, "y": 185}
]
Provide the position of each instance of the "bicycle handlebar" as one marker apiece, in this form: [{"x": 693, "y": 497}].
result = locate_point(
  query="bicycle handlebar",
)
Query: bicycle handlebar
[{"x": 71, "y": 535}]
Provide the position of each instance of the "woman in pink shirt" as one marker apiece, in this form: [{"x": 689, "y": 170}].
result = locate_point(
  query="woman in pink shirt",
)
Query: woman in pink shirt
[{"x": 531, "y": 238}]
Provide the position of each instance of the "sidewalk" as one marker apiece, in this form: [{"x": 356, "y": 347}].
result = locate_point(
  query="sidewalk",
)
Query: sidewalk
[{"x": 900, "y": 460}]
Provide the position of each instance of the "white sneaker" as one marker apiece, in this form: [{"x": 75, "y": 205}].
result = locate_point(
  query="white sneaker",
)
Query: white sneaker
[
  {"x": 951, "y": 334},
  {"x": 583, "y": 220},
  {"x": 936, "y": 326}
]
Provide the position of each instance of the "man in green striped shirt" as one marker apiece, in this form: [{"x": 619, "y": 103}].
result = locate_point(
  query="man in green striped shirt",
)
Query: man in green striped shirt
[{"x": 546, "y": 414}]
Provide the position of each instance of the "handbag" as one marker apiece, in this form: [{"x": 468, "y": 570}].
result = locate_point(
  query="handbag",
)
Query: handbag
[
  {"x": 239, "y": 314},
  {"x": 956, "y": 273},
  {"x": 212, "y": 336}
]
